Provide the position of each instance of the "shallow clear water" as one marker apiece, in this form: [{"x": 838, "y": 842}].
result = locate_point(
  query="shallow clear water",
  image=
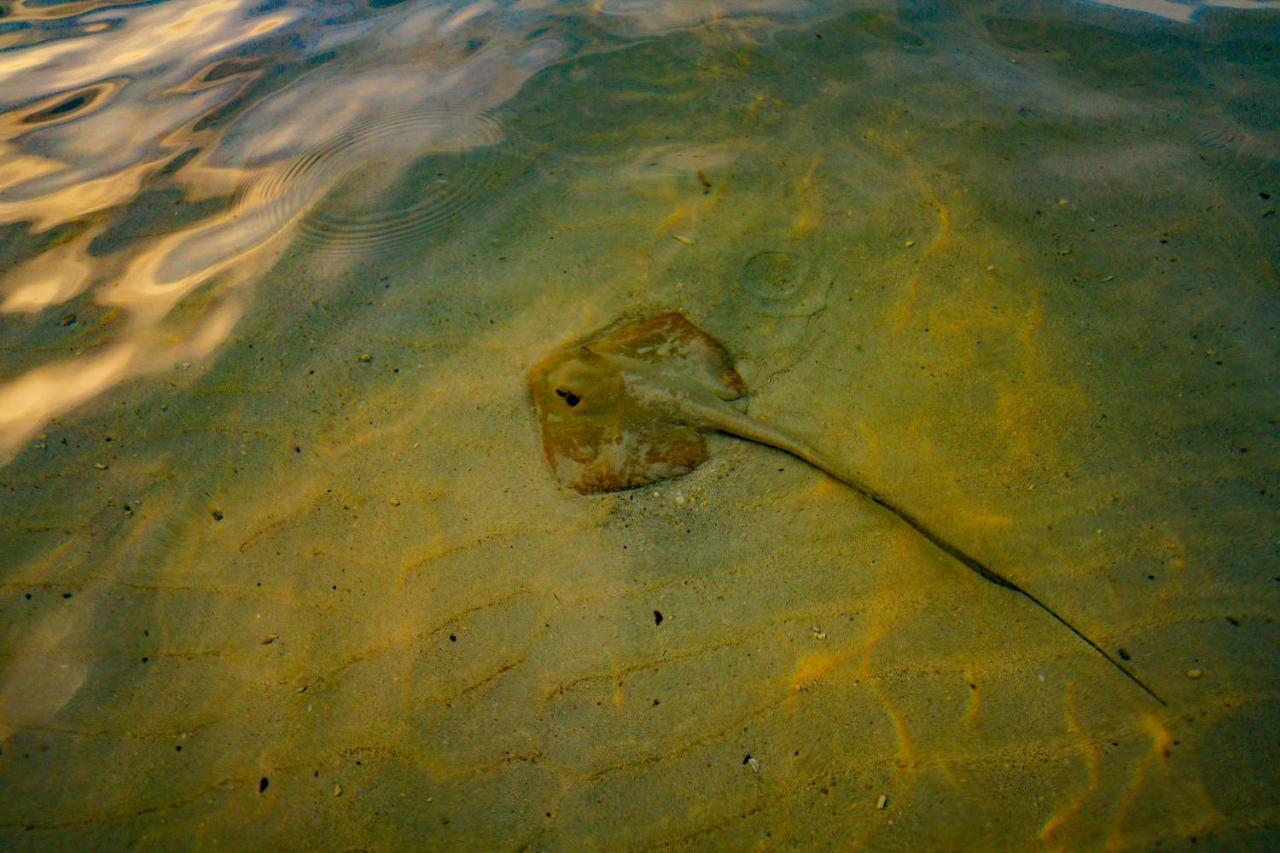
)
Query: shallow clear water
[{"x": 280, "y": 559}]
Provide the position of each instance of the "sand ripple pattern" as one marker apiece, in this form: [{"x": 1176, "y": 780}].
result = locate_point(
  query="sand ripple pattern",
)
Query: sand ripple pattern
[{"x": 388, "y": 182}]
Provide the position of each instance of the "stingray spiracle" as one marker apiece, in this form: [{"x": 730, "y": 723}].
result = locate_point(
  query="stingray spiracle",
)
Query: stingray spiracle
[{"x": 388, "y": 181}]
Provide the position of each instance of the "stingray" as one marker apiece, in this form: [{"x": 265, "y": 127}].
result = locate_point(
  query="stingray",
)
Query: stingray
[{"x": 628, "y": 406}]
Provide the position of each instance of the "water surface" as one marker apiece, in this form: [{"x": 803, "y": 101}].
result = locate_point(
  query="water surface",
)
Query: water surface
[{"x": 279, "y": 554}]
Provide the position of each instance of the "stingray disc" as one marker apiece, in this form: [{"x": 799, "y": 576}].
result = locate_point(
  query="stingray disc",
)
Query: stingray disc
[{"x": 599, "y": 437}]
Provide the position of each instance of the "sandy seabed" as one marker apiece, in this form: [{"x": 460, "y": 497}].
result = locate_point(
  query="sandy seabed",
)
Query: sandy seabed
[{"x": 321, "y": 590}]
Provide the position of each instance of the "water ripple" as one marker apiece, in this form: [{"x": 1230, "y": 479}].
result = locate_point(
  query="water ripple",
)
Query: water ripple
[
  {"x": 446, "y": 156},
  {"x": 161, "y": 156}
]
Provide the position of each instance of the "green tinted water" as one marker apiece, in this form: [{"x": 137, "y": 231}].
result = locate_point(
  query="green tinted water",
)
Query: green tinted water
[{"x": 292, "y": 570}]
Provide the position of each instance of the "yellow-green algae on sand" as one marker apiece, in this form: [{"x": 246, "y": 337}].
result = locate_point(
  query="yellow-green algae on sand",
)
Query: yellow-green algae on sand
[{"x": 320, "y": 590}]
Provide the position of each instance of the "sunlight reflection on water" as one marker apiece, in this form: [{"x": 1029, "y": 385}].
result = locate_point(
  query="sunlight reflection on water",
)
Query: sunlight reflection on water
[
  {"x": 1016, "y": 259},
  {"x": 258, "y": 115}
]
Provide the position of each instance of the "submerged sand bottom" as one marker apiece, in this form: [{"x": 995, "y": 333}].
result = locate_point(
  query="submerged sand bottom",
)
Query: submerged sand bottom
[
  {"x": 323, "y": 590},
  {"x": 398, "y": 628}
]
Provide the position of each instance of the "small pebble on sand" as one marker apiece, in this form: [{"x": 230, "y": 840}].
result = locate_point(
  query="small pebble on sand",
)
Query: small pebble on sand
[
  {"x": 1194, "y": 673},
  {"x": 908, "y": 244},
  {"x": 365, "y": 358},
  {"x": 394, "y": 502},
  {"x": 337, "y": 790},
  {"x": 882, "y": 802}
]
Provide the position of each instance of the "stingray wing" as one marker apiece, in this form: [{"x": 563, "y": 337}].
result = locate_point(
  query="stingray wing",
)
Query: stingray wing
[
  {"x": 612, "y": 444},
  {"x": 613, "y": 461},
  {"x": 678, "y": 345}
]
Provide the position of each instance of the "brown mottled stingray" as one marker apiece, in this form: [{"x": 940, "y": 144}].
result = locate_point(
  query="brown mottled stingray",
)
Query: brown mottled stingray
[{"x": 627, "y": 407}]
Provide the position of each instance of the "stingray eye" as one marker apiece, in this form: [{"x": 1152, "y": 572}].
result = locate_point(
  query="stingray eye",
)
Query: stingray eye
[{"x": 569, "y": 397}]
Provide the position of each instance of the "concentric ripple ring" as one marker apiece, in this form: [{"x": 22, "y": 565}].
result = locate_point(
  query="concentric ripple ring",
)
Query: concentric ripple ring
[{"x": 388, "y": 181}]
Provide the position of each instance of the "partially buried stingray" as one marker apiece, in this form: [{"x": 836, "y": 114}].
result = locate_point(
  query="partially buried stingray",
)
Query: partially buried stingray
[{"x": 627, "y": 407}]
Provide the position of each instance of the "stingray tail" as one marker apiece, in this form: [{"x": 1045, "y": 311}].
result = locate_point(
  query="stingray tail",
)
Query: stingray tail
[
  {"x": 741, "y": 424},
  {"x": 1000, "y": 580}
]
